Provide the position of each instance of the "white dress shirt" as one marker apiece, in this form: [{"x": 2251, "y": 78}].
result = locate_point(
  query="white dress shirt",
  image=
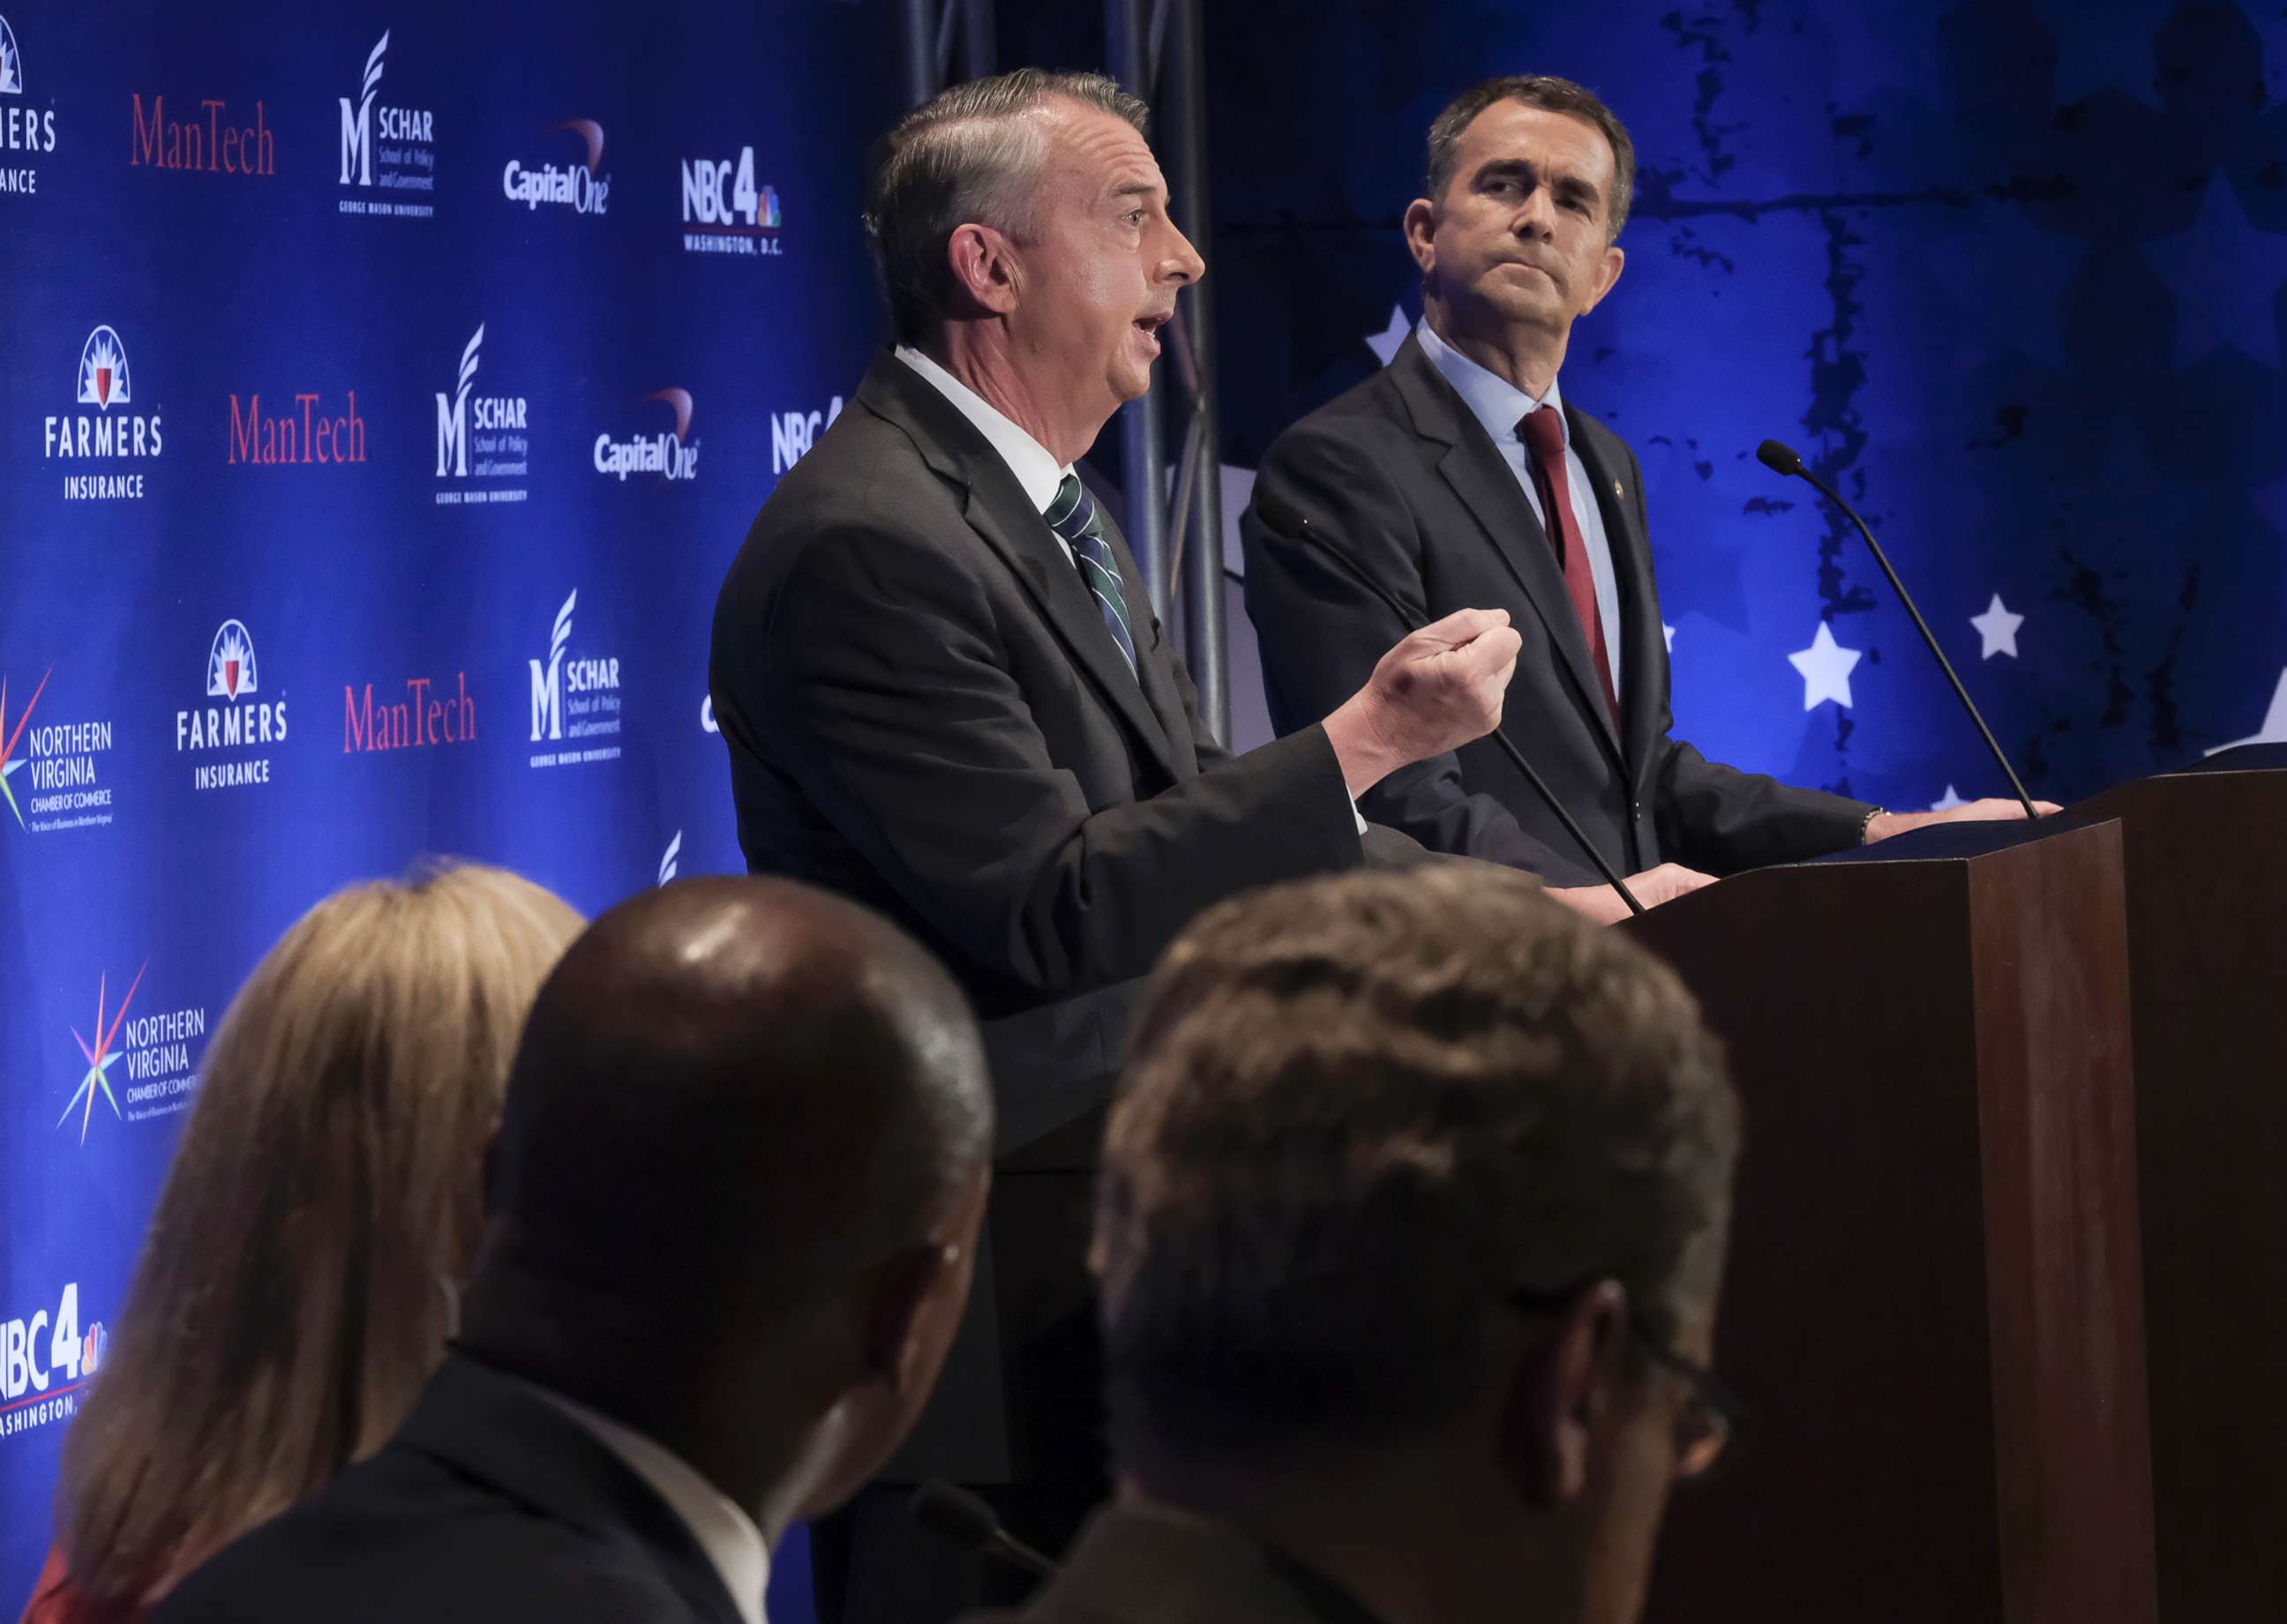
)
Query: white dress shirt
[
  {"x": 1033, "y": 463},
  {"x": 726, "y": 1533},
  {"x": 1501, "y": 407}
]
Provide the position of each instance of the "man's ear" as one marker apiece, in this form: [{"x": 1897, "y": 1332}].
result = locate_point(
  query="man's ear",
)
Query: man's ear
[
  {"x": 1421, "y": 232},
  {"x": 1608, "y": 272},
  {"x": 901, "y": 1290},
  {"x": 1559, "y": 1387},
  {"x": 985, "y": 274}
]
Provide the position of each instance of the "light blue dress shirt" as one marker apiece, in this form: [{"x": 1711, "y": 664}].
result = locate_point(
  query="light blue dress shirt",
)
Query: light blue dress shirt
[{"x": 1501, "y": 405}]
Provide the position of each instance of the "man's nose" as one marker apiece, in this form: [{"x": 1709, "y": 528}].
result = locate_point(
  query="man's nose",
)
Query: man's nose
[
  {"x": 1180, "y": 264},
  {"x": 1537, "y": 216}
]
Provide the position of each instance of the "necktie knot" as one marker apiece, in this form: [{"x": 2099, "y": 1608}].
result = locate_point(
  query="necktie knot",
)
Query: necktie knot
[{"x": 1542, "y": 430}]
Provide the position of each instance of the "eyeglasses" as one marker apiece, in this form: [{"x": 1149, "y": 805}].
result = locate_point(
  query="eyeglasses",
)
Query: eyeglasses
[{"x": 1714, "y": 1415}]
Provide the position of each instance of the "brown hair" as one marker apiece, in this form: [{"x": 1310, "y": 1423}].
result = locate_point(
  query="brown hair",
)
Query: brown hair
[
  {"x": 1362, "y": 1111},
  {"x": 295, "y": 1288},
  {"x": 1553, "y": 95},
  {"x": 964, "y": 156}
]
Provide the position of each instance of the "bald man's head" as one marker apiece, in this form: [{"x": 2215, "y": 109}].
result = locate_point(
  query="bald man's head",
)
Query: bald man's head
[{"x": 735, "y": 1081}]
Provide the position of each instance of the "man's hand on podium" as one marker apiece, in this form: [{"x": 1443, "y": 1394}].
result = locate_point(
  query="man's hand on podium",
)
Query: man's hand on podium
[
  {"x": 1883, "y": 825},
  {"x": 1652, "y": 887}
]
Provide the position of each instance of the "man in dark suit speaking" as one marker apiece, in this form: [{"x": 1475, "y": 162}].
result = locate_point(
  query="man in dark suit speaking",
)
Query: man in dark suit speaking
[
  {"x": 1439, "y": 476},
  {"x": 944, "y": 694}
]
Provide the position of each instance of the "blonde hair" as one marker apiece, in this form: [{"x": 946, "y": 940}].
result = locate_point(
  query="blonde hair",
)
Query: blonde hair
[{"x": 295, "y": 1288}]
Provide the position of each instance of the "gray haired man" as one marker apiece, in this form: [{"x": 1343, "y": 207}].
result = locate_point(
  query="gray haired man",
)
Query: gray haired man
[{"x": 944, "y": 695}]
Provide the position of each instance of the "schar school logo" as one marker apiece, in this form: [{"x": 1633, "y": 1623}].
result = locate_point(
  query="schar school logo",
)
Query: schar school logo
[
  {"x": 239, "y": 723},
  {"x": 46, "y": 1359},
  {"x": 480, "y": 437},
  {"x": 62, "y": 788},
  {"x": 108, "y": 434},
  {"x": 153, "y": 1054},
  {"x": 671, "y": 456},
  {"x": 582, "y": 188},
  {"x": 794, "y": 433},
  {"x": 22, "y": 128},
  {"x": 575, "y": 698},
  {"x": 393, "y": 149},
  {"x": 668, "y": 858},
  {"x": 724, "y": 212}
]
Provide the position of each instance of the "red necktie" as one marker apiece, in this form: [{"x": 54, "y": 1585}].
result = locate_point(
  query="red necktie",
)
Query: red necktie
[{"x": 1543, "y": 433}]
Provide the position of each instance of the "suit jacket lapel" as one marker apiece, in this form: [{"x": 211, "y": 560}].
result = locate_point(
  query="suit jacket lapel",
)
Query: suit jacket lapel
[
  {"x": 1643, "y": 652},
  {"x": 996, "y": 509},
  {"x": 1473, "y": 465}
]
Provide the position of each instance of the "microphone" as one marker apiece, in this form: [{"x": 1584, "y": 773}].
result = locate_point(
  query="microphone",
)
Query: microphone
[
  {"x": 957, "y": 1515},
  {"x": 1782, "y": 460},
  {"x": 1279, "y": 516}
]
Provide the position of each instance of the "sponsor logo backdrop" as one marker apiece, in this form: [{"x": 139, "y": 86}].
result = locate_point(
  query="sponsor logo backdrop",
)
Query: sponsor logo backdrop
[{"x": 354, "y": 371}]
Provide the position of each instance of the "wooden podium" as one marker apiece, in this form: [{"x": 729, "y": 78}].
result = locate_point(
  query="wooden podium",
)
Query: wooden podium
[
  {"x": 1934, "y": 1307},
  {"x": 2207, "y": 895}
]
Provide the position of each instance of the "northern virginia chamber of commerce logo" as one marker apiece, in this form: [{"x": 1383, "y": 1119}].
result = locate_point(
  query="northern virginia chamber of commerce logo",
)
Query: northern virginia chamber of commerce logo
[
  {"x": 238, "y": 730},
  {"x": 209, "y": 138},
  {"x": 724, "y": 212},
  {"x": 794, "y": 433},
  {"x": 429, "y": 715},
  {"x": 110, "y": 435},
  {"x": 45, "y": 1360},
  {"x": 574, "y": 699},
  {"x": 580, "y": 186},
  {"x": 51, "y": 772},
  {"x": 23, "y": 127},
  {"x": 673, "y": 456},
  {"x": 480, "y": 437},
  {"x": 138, "y": 1067},
  {"x": 387, "y": 148}
]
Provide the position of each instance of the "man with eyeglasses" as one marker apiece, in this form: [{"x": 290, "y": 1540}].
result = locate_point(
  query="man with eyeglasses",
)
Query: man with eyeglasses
[{"x": 1409, "y": 1234}]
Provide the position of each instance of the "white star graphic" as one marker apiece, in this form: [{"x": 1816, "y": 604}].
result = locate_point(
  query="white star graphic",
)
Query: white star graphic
[
  {"x": 2226, "y": 274},
  {"x": 1384, "y": 343},
  {"x": 1949, "y": 800},
  {"x": 1669, "y": 632},
  {"x": 2273, "y": 731},
  {"x": 1998, "y": 627},
  {"x": 1826, "y": 666}
]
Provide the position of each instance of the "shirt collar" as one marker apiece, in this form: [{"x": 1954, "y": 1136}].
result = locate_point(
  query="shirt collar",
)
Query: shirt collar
[
  {"x": 733, "y": 1544},
  {"x": 1493, "y": 400},
  {"x": 1033, "y": 463}
]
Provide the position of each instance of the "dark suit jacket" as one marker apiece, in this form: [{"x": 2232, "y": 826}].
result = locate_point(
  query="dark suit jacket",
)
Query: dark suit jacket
[
  {"x": 1138, "y": 1563},
  {"x": 489, "y": 1504},
  {"x": 1399, "y": 473},
  {"x": 925, "y": 712}
]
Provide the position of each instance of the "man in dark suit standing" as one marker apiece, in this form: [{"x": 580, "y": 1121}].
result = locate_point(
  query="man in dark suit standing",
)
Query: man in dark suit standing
[
  {"x": 1409, "y": 1233},
  {"x": 1439, "y": 476},
  {"x": 731, "y": 1220},
  {"x": 943, "y": 693}
]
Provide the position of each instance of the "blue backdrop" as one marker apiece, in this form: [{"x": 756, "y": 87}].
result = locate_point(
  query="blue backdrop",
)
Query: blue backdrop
[{"x": 384, "y": 390}]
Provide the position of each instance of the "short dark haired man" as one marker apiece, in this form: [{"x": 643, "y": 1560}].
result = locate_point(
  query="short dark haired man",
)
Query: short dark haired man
[
  {"x": 944, "y": 694},
  {"x": 1440, "y": 475},
  {"x": 1410, "y": 1232},
  {"x": 732, "y": 1216}
]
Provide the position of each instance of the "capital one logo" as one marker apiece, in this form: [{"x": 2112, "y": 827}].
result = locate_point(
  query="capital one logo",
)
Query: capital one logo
[
  {"x": 357, "y": 128},
  {"x": 548, "y": 685}
]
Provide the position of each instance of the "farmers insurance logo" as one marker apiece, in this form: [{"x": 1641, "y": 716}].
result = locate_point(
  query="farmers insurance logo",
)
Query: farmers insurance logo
[
  {"x": 50, "y": 773},
  {"x": 108, "y": 436},
  {"x": 138, "y": 1067},
  {"x": 22, "y": 128},
  {"x": 724, "y": 212},
  {"x": 671, "y": 456},
  {"x": 480, "y": 437},
  {"x": 574, "y": 699},
  {"x": 46, "y": 1359},
  {"x": 386, "y": 148},
  {"x": 582, "y": 188},
  {"x": 241, "y": 726}
]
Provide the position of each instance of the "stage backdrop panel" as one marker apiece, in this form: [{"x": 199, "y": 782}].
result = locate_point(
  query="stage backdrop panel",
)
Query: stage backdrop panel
[{"x": 384, "y": 390}]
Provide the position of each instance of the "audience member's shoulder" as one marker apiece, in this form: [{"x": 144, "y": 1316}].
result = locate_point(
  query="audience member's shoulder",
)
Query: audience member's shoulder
[{"x": 402, "y": 1538}]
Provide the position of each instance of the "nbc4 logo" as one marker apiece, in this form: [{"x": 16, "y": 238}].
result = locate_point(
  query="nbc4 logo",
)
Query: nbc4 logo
[{"x": 35, "y": 1352}]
